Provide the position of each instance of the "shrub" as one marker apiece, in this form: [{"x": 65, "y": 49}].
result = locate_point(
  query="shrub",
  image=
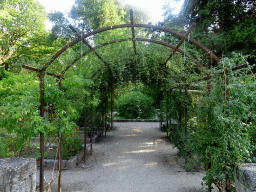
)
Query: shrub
[
  {"x": 135, "y": 104},
  {"x": 71, "y": 144}
]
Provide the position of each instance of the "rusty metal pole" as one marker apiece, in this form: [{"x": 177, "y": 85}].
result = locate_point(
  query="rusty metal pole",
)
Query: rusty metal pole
[
  {"x": 209, "y": 84},
  {"x": 91, "y": 142},
  {"x": 105, "y": 112},
  {"x": 60, "y": 162},
  {"x": 111, "y": 108},
  {"x": 102, "y": 114},
  {"x": 170, "y": 113},
  {"x": 186, "y": 112},
  {"x": 167, "y": 111},
  {"x": 60, "y": 150},
  {"x": 180, "y": 112},
  {"x": 92, "y": 125},
  {"x": 181, "y": 41},
  {"x": 41, "y": 185},
  {"x": 85, "y": 125},
  {"x": 160, "y": 112},
  {"x": 186, "y": 120},
  {"x": 92, "y": 122}
]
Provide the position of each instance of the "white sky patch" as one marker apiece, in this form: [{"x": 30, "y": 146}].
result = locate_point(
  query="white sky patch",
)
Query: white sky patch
[
  {"x": 152, "y": 6},
  {"x": 57, "y": 5},
  {"x": 155, "y": 7}
]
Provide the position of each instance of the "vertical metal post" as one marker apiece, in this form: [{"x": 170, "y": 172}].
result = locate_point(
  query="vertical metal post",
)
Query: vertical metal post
[
  {"x": 102, "y": 114},
  {"x": 85, "y": 126},
  {"x": 161, "y": 121},
  {"x": 91, "y": 141},
  {"x": 186, "y": 120},
  {"x": 105, "y": 111},
  {"x": 92, "y": 125},
  {"x": 167, "y": 111},
  {"x": 180, "y": 112},
  {"x": 186, "y": 112},
  {"x": 209, "y": 83},
  {"x": 60, "y": 150},
  {"x": 60, "y": 162},
  {"x": 41, "y": 185},
  {"x": 111, "y": 108},
  {"x": 170, "y": 97}
]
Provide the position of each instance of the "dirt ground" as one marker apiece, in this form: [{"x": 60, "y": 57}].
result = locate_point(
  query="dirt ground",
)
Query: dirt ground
[{"x": 135, "y": 157}]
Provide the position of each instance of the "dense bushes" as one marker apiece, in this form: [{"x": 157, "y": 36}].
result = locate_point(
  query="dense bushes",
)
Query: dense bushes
[{"x": 135, "y": 104}]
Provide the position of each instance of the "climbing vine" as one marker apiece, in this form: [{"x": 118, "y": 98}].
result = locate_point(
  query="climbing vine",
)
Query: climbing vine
[{"x": 221, "y": 122}]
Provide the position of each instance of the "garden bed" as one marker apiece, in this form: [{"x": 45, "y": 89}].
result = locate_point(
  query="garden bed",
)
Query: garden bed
[{"x": 66, "y": 163}]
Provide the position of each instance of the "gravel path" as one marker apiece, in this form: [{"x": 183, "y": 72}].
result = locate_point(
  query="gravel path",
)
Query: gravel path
[{"x": 134, "y": 157}]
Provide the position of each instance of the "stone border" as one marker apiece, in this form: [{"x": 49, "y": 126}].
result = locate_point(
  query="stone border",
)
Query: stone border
[
  {"x": 66, "y": 164},
  {"x": 18, "y": 174},
  {"x": 75, "y": 160},
  {"x": 246, "y": 177},
  {"x": 96, "y": 136}
]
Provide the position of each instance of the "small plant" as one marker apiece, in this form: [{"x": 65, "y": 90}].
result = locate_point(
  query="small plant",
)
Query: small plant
[
  {"x": 71, "y": 144},
  {"x": 192, "y": 164}
]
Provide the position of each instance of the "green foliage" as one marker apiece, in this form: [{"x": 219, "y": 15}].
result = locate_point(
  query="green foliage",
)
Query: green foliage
[
  {"x": 19, "y": 103},
  {"x": 221, "y": 123},
  {"x": 220, "y": 25},
  {"x": 220, "y": 131},
  {"x": 71, "y": 144},
  {"x": 174, "y": 105},
  {"x": 224, "y": 124},
  {"x": 60, "y": 29},
  {"x": 20, "y": 22},
  {"x": 96, "y": 14},
  {"x": 7, "y": 144},
  {"x": 135, "y": 104},
  {"x": 19, "y": 114},
  {"x": 19, "y": 111}
]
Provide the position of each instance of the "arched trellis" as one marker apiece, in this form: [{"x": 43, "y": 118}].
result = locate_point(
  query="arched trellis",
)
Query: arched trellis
[
  {"x": 75, "y": 41},
  {"x": 42, "y": 71},
  {"x": 136, "y": 39}
]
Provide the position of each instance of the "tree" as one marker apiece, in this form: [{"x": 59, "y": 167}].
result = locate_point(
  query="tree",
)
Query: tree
[
  {"x": 60, "y": 28},
  {"x": 90, "y": 14},
  {"x": 20, "y": 21},
  {"x": 213, "y": 15},
  {"x": 220, "y": 25}
]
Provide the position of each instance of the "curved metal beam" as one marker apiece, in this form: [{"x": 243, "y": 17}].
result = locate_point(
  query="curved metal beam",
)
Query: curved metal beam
[
  {"x": 136, "y": 39},
  {"x": 72, "y": 43}
]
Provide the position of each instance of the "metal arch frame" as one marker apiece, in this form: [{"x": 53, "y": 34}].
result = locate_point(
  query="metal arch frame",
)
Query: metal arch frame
[
  {"x": 42, "y": 71},
  {"x": 75, "y": 41},
  {"x": 136, "y": 39}
]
